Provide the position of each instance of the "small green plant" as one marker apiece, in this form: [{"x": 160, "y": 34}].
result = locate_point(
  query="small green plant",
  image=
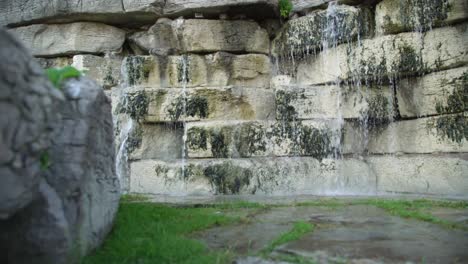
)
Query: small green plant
[
  {"x": 285, "y": 7},
  {"x": 44, "y": 160},
  {"x": 58, "y": 75}
]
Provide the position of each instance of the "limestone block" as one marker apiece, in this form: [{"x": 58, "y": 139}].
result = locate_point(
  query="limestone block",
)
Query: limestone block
[
  {"x": 229, "y": 103},
  {"x": 160, "y": 39},
  {"x": 104, "y": 70},
  {"x": 212, "y": 70},
  {"x": 258, "y": 9},
  {"x": 141, "y": 71},
  {"x": 304, "y": 6},
  {"x": 118, "y": 12},
  {"x": 395, "y": 16},
  {"x": 58, "y": 62},
  {"x": 156, "y": 141},
  {"x": 202, "y": 36},
  {"x": 267, "y": 176},
  {"x": 421, "y": 174},
  {"x": 386, "y": 57},
  {"x": 70, "y": 39},
  {"x": 329, "y": 66},
  {"x": 432, "y": 94},
  {"x": 333, "y": 101},
  {"x": 325, "y": 28},
  {"x": 242, "y": 139},
  {"x": 424, "y": 135}
]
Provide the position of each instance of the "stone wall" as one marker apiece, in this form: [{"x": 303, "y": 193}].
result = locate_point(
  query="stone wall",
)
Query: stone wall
[{"x": 224, "y": 97}]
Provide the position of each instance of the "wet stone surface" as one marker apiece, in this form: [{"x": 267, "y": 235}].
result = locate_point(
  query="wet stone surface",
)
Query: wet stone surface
[{"x": 343, "y": 234}]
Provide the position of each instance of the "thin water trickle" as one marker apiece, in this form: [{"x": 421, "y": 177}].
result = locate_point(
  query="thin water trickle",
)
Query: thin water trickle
[{"x": 184, "y": 62}]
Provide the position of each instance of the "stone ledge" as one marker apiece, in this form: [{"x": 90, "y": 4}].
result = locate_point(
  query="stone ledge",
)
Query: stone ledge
[
  {"x": 387, "y": 57},
  {"x": 212, "y": 70},
  {"x": 396, "y": 16},
  {"x": 203, "y": 36},
  {"x": 167, "y": 105},
  {"x": 433, "y": 94},
  {"x": 70, "y": 39},
  {"x": 421, "y": 174},
  {"x": 270, "y": 176}
]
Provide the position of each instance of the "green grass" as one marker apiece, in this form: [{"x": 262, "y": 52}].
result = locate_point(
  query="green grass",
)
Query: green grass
[
  {"x": 155, "y": 233},
  {"x": 414, "y": 210},
  {"x": 299, "y": 229},
  {"x": 152, "y": 233}
]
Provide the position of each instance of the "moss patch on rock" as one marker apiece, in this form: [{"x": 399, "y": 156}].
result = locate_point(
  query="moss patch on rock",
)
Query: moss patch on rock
[
  {"x": 228, "y": 178},
  {"x": 134, "y": 104}
]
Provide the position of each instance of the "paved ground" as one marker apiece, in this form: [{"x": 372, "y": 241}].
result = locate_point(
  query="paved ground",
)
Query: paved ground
[{"x": 343, "y": 234}]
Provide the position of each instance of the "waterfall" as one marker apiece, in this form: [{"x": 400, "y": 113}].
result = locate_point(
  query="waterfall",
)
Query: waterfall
[{"x": 184, "y": 62}]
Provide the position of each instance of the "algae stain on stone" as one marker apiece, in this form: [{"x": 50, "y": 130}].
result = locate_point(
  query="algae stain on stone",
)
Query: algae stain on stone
[
  {"x": 226, "y": 178},
  {"x": 453, "y": 127}
]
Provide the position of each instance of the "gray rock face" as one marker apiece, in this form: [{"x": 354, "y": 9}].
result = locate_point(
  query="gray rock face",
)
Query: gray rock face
[
  {"x": 128, "y": 12},
  {"x": 27, "y": 106},
  {"x": 59, "y": 191}
]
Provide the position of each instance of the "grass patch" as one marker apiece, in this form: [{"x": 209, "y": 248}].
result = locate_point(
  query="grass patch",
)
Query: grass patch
[
  {"x": 413, "y": 209},
  {"x": 299, "y": 229},
  {"x": 152, "y": 233},
  {"x": 131, "y": 198}
]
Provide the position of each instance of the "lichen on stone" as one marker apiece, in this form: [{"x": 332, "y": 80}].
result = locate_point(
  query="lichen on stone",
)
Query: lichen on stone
[
  {"x": 137, "y": 69},
  {"x": 455, "y": 126},
  {"x": 195, "y": 106},
  {"x": 134, "y": 104},
  {"x": 410, "y": 61},
  {"x": 250, "y": 139},
  {"x": 226, "y": 178},
  {"x": 220, "y": 141},
  {"x": 197, "y": 138},
  {"x": 284, "y": 109}
]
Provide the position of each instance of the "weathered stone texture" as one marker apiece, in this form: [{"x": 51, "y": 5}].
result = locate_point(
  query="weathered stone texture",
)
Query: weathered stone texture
[
  {"x": 271, "y": 176},
  {"x": 212, "y": 70},
  {"x": 241, "y": 139},
  {"x": 106, "y": 71},
  {"x": 229, "y": 103},
  {"x": 333, "y": 101},
  {"x": 203, "y": 36},
  {"x": 59, "y": 191},
  {"x": 324, "y": 28},
  {"x": 386, "y": 57},
  {"x": 419, "y": 136},
  {"x": 126, "y": 12},
  {"x": 395, "y": 16},
  {"x": 436, "y": 93},
  {"x": 212, "y": 8},
  {"x": 423, "y": 174},
  {"x": 27, "y": 104},
  {"x": 70, "y": 39}
]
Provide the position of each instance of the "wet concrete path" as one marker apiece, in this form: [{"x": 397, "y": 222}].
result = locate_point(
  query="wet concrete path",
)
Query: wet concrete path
[{"x": 350, "y": 233}]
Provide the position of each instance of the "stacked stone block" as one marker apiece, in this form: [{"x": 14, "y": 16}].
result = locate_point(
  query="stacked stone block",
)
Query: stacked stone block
[{"x": 344, "y": 97}]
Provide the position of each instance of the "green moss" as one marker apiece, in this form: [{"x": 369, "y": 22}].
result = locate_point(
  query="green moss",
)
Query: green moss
[
  {"x": 197, "y": 138},
  {"x": 284, "y": 109},
  {"x": 410, "y": 61},
  {"x": 195, "y": 106},
  {"x": 377, "y": 113},
  {"x": 58, "y": 75},
  {"x": 138, "y": 69},
  {"x": 134, "y": 140},
  {"x": 135, "y": 104},
  {"x": 44, "y": 161},
  {"x": 228, "y": 178},
  {"x": 316, "y": 143},
  {"x": 250, "y": 139},
  {"x": 453, "y": 127},
  {"x": 220, "y": 141}
]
